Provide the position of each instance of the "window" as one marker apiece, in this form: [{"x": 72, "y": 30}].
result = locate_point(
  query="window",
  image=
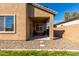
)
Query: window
[
  {"x": 6, "y": 24},
  {"x": 39, "y": 27}
]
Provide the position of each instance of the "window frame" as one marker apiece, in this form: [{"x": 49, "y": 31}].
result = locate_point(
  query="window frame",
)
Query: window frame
[
  {"x": 4, "y": 15},
  {"x": 39, "y": 27}
]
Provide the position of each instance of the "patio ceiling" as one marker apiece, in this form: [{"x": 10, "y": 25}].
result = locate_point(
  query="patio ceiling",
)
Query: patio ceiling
[{"x": 39, "y": 19}]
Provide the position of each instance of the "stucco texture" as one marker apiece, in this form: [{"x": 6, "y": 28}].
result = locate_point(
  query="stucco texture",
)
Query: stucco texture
[
  {"x": 23, "y": 12},
  {"x": 37, "y": 13},
  {"x": 71, "y": 32},
  {"x": 20, "y": 21}
]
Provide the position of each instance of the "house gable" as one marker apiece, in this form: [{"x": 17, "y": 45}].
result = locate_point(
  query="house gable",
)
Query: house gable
[{"x": 38, "y": 12}]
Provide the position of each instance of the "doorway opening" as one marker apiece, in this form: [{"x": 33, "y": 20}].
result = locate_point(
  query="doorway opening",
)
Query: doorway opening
[{"x": 38, "y": 27}]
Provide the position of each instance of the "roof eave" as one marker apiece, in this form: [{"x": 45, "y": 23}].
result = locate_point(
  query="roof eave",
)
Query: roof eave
[{"x": 44, "y": 8}]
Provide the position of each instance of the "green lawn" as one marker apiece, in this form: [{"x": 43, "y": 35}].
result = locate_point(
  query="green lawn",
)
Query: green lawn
[{"x": 38, "y": 53}]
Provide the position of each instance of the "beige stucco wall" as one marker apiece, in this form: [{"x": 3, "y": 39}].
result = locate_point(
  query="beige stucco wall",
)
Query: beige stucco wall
[
  {"x": 22, "y": 20},
  {"x": 19, "y": 10},
  {"x": 37, "y": 12},
  {"x": 71, "y": 32}
]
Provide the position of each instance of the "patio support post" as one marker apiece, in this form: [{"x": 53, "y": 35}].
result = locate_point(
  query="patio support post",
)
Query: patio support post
[{"x": 51, "y": 28}]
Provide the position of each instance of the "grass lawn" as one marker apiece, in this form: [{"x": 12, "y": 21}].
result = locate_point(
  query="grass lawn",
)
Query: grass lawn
[{"x": 38, "y": 53}]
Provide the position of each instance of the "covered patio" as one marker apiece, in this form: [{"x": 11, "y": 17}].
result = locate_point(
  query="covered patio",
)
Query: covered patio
[
  {"x": 38, "y": 18},
  {"x": 39, "y": 28}
]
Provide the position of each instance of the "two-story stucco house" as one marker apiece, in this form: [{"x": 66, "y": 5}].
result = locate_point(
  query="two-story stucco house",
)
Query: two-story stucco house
[{"x": 19, "y": 21}]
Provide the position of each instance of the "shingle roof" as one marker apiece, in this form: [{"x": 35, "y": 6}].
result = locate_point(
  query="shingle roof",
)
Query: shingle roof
[{"x": 43, "y": 8}]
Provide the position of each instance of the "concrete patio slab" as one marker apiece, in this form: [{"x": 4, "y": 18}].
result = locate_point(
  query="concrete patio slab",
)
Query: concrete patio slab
[{"x": 64, "y": 44}]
